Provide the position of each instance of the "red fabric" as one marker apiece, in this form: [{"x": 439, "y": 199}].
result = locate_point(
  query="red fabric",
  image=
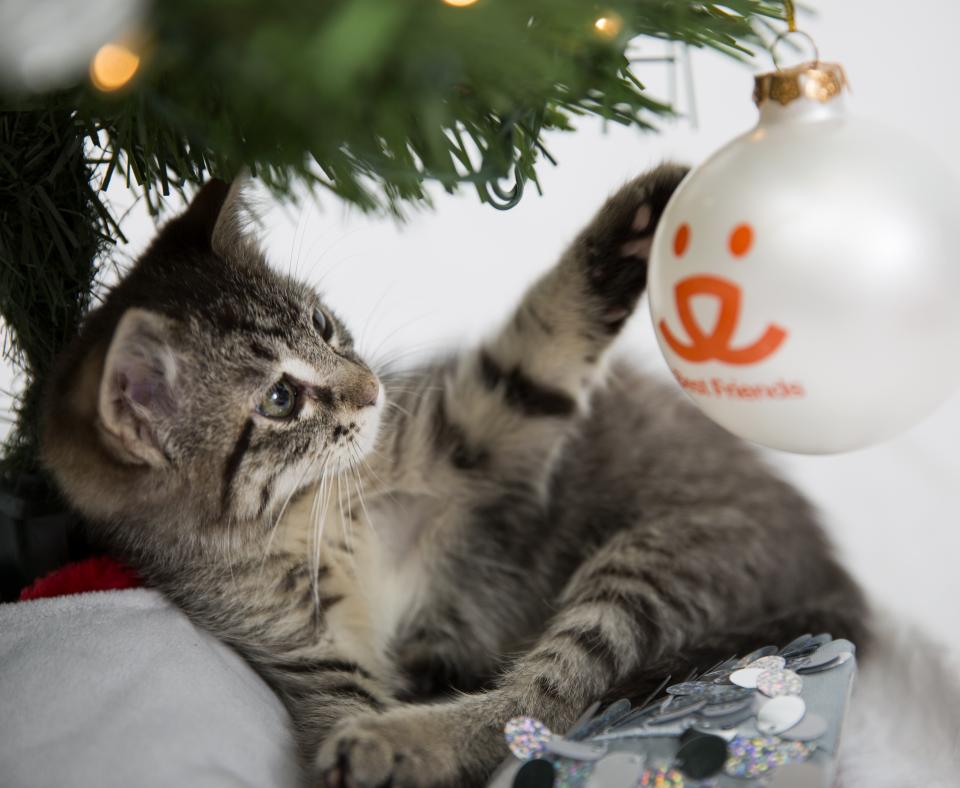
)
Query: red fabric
[{"x": 93, "y": 574}]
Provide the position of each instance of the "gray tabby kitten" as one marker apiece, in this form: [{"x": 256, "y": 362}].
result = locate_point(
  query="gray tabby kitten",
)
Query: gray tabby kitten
[{"x": 529, "y": 522}]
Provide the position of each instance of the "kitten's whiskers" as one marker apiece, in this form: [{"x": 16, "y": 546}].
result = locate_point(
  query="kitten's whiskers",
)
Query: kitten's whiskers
[
  {"x": 356, "y": 472},
  {"x": 318, "y": 513},
  {"x": 391, "y": 404},
  {"x": 283, "y": 509}
]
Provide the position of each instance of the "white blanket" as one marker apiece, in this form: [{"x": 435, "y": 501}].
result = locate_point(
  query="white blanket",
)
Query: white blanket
[{"x": 119, "y": 689}]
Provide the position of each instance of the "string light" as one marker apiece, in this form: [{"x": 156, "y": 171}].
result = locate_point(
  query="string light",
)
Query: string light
[
  {"x": 608, "y": 25},
  {"x": 459, "y": 3},
  {"x": 113, "y": 66}
]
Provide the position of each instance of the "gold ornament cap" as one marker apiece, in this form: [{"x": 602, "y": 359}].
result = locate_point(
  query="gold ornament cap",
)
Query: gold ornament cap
[{"x": 815, "y": 81}]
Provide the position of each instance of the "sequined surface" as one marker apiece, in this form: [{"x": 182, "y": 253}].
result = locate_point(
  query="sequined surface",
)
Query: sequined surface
[
  {"x": 755, "y": 731},
  {"x": 752, "y": 757}
]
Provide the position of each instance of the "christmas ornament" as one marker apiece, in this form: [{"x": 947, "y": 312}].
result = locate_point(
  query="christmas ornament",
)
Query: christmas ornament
[{"x": 804, "y": 282}]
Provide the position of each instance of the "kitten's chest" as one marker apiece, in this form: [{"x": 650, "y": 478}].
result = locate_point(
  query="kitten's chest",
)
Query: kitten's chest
[
  {"x": 377, "y": 556},
  {"x": 391, "y": 561}
]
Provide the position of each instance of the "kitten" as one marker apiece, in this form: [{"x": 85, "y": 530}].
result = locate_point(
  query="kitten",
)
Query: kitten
[{"x": 527, "y": 521}]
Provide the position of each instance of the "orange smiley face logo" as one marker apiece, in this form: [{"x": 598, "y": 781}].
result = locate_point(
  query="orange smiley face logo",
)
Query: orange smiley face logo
[{"x": 716, "y": 346}]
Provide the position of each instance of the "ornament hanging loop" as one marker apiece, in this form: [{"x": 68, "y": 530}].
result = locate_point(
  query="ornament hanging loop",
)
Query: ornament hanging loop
[
  {"x": 782, "y": 36},
  {"x": 791, "y": 15}
]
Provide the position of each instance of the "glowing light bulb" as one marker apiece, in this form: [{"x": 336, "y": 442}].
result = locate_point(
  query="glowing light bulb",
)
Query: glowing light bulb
[
  {"x": 113, "y": 66},
  {"x": 459, "y": 3},
  {"x": 608, "y": 25}
]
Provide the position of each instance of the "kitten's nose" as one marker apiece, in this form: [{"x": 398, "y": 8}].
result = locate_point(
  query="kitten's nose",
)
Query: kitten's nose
[{"x": 367, "y": 392}]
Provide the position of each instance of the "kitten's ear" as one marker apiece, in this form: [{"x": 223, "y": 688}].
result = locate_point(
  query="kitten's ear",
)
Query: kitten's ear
[
  {"x": 137, "y": 388},
  {"x": 229, "y": 231},
  {"x": 216, "y": 217}
]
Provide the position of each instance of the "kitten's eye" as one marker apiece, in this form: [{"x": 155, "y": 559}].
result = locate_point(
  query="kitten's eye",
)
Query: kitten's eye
[
  {"x": 323, "y": 325},
  {"x": 279, "y": 402}
]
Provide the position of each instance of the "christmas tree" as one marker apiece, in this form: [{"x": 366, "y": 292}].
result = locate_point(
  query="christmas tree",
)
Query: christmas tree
[{"x": 369, "y": 100}]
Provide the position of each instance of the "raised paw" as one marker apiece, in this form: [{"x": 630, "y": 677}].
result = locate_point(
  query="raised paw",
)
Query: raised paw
[{"x": 617, "y": 243}]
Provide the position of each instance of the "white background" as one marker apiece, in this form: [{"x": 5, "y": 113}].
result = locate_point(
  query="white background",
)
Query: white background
[{"x": 449, "y": 274}]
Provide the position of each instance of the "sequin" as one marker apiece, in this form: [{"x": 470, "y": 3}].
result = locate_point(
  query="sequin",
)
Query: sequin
[
  {"x": 812, "y": 726},
  {"x": 615, "y": 712},
  {"x": 726, "y": 693},
  {"x": 701, "y": 755},
  {"x": 638, "y": 716},
  {"x": 687, "y": 688},
  {"x": 583, "y": 720},
  {"x": 794, "y": 663},
  {"x": 773, "y": 683},
  {"x": 679, "y": 706},
  {"x": 826, "y": 653},
  {"x": 801, "y": 653},
  {"x": 752, "y": 757},
  {"x": 817, "y": 664},
  {"x": 537, "y": 773},
  {"x": 526, "y": 737},
  {"x": 780, "y": 714},
  {"x": 571, "y": 774},
  {"x": 719, "y": 672},
  {"x": 723, "y": 709},
  {"x": 575, "y": 750},
  {"x": 797, "y": 645},
  {"x": 661, "y": 778},
  {"x": 610, "y": 716},
  {"x": 772, "y": 662},
  {"x": 728, "y": 720},
  {"x": 746, "y": 677}
]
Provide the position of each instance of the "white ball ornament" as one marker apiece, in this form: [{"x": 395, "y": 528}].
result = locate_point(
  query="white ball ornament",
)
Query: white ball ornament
[{"x": 805, "y": 280}]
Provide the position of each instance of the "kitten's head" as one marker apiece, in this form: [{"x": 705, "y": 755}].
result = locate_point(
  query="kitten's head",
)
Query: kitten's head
[{"x": 207, "y": 388}]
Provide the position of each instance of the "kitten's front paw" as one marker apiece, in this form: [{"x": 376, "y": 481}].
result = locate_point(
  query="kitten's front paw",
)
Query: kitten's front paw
[
  {"x": 357, "y": 755},
  {"x": 409, "y": 747},
  {"x": 374, "y": 752}
]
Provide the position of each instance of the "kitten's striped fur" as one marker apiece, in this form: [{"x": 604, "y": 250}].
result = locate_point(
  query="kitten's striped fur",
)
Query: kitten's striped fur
[{"x": 526, "y": 521}]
